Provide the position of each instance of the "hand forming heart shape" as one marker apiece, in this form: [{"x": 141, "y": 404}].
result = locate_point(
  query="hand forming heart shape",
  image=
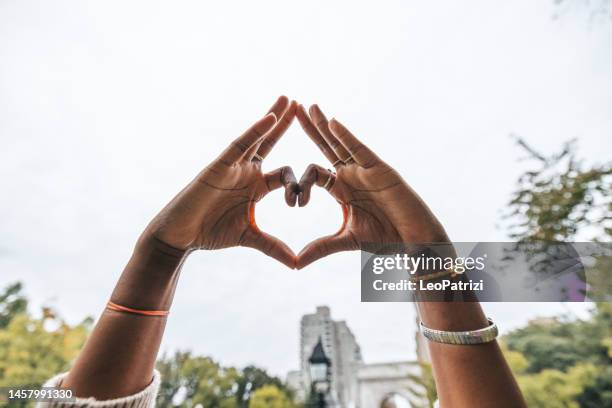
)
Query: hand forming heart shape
[{"x": 217, "y": 209}]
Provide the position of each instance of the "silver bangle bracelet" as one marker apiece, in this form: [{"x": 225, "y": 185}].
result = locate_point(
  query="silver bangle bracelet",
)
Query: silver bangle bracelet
[{"x": 479, "y": 336}]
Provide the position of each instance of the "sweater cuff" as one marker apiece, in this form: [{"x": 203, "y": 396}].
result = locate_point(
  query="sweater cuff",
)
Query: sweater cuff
[{"x": 142, "y": 399}]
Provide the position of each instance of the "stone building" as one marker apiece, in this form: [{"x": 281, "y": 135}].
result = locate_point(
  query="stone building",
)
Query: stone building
[{"x": 354, "y": 384}]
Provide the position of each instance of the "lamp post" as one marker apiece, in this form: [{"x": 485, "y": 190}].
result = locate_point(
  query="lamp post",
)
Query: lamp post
[{"x": 320, "y": 373}]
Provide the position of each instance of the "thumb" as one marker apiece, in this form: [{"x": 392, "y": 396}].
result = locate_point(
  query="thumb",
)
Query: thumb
[
  {"x": 314, "y": 174},
  {"x": 324, "y": 246},
  {"x": 269, "y": 245},
  {"x": 283, "y": 177}
]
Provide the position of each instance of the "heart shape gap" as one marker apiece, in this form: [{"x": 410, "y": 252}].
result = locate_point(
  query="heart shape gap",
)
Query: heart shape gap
[{"x": 305, "y": 224}]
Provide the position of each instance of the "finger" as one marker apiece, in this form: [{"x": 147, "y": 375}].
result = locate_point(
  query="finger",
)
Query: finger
[
  {"x": 358, "y": 151},
  {"x": 269, "y": 245},
  {"x": 249, "y": 138},
  {"x": 283, "y": 177},
  {"x": 278, "y": 109},
  {"x": 325, "y": 246},
  {"x": 251, "y": 153},
  {"x": 320, "y": 121},
  {"x": 277, "y": 131},
  {"x": 315, "y": 136},
  {"x": 280, "y": 106},
  {"x": 314, "y": 174}
]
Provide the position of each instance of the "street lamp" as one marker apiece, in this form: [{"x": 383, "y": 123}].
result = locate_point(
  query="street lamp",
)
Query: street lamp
[{"x": 320, "y": 373}]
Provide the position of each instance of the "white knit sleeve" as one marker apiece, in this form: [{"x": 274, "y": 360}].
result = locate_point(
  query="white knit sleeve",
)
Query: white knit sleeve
[{"x": 142, "y": 399}]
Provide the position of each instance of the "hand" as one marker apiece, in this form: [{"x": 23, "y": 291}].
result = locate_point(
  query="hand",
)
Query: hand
[
  {"x": 378, "y": 206},
  {"x": 216, "y": 210}
]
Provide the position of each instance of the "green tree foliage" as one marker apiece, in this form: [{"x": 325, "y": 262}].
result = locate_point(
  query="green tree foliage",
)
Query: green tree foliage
[
  {"x": 559, "y": 197},
  {"x": 516, "y": 360},
  {"x": 34, "y": 349},
  {"x": 563, "y": 362},
  {"x": 31, "y": 353},
  {"x": 190, "y": 380},
  {"x": 422, "y": 393},
  {"x": 557, "y": 389},
  {"x": 12, "y": 302},
  {"x": 270, "y": 396},
  {"x": 598, "y": 393},
  {"x": 251, "y": 379},
  {"x": 558, "y": 344}
]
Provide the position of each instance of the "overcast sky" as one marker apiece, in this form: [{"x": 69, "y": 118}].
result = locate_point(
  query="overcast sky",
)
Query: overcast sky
[{"x": 108, "y": 108}]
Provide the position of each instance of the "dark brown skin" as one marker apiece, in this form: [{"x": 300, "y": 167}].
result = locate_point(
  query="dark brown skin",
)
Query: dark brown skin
[
  {"x": 380, "y": 207},
  {"x": 216, "y": 210}
]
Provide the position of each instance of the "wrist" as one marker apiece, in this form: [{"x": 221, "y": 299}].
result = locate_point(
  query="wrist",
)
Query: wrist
[
  {"x": 150, "y": 277},
  {"x": 149, "y": 246},
  {"x": 434, "y": 236},
  {"x": 452, "y": 316}
]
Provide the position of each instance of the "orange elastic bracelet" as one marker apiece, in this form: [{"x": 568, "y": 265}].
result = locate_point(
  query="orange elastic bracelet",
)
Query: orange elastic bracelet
[{"x": 118, "y": 308}]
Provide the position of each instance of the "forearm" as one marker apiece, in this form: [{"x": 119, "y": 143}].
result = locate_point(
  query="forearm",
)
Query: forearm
[
  {"x": 119, "y": 356},
  {"x": 467, "y": 375}
]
